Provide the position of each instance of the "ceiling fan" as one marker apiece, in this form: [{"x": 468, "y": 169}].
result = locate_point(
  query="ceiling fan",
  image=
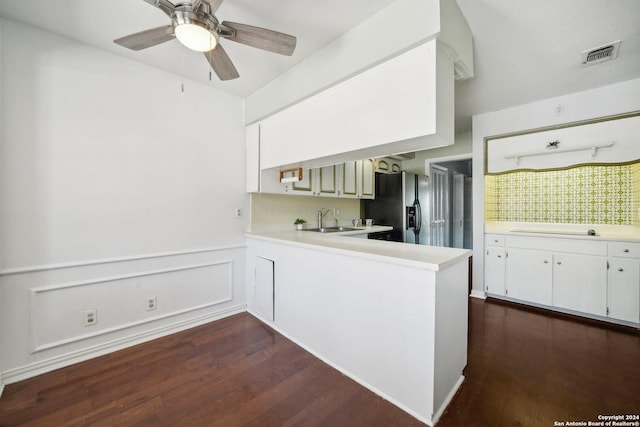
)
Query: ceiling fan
[{"x": 195, "y": 26}]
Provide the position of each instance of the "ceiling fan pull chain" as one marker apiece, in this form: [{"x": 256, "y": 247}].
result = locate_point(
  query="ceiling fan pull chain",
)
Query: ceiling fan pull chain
[
  {"x": 210, "y": 41},
  {"x": 182, "y": 73}
]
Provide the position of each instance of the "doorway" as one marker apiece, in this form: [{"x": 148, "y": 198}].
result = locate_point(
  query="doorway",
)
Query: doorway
[
  {"x": 452, "y": 203},
  {"x": 439, "y": 206}
]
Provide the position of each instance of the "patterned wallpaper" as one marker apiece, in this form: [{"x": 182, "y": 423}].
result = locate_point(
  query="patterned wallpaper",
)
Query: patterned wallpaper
[{"x": 581, "y": 195}]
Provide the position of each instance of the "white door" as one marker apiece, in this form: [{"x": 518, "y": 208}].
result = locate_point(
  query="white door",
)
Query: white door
[
  {"x": 264, "y": 288},
  {"x": 623, "y": 292},
  {"x": 458, "y": 211},
  {"x": 350, "y": 179},
  {"x": 439, "y": 206},
  {"x": 494, "y": 268},
  {"x": 580, "y": 283},
  {"x": 528, "y": 275}
]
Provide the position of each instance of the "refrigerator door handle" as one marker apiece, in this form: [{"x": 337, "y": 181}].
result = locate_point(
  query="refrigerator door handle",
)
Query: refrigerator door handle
[{"x": 418, "y": 213}]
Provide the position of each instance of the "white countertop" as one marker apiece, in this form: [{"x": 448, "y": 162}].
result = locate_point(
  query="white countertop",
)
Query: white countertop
[
  {"x": 626, "y": 233},
  {"x": 416, "y": 256}
]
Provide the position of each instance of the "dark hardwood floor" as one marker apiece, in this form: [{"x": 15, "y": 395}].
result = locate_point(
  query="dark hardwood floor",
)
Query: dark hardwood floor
[
  {"x": 530, "y": 367},
  {"x": 525, "y": 368},
  {"x": 233, "y": 372}
]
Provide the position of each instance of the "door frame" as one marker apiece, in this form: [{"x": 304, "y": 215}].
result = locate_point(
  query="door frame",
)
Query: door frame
[
  {"x": 428, "y": 162},
  {"x": 457, "y": 207},
  {"x": 435, "y": 160}
]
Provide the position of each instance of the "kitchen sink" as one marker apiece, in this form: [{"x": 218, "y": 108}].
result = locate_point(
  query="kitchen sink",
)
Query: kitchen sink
[{"x": 330, "y": 229}]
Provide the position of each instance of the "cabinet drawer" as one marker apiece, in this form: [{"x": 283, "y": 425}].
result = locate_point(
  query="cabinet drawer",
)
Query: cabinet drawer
[
  {"x": 626, "y": 250},
  {"x": 494, "y": 240}
]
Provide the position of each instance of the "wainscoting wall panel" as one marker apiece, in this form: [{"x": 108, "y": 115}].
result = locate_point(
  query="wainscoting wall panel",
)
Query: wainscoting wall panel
[
  {"x": 69, "y": 312},
  {"x": 44, "y": 326}
]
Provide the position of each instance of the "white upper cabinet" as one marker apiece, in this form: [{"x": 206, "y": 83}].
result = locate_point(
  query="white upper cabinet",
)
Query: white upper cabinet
[
  {"x": 403, "y": 104},
  {"x": 604, "y": 141},
  {"x": 252, "y": 141},
  {"x": 388, "y": 165},
  {"x": 353, "y": 179},
  {"x": 327, "y": 181},
  {"x": 358, "y": 179},
  {"x": 318, "y": 182}
]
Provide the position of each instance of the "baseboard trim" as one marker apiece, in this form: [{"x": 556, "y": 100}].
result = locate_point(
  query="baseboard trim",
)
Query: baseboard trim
[
  {"x": 586, "y": 318},
  {"x": 357, "y": 379},
  {"x": 478, "y": 294},
  {"x": 32, "y": 370},
  {"x": 1, "y": 385},
  {"x": 447, "y": 400}
]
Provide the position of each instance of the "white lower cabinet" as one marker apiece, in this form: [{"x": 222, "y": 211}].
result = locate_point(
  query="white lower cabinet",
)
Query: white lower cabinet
[
  {"x": 580, "y": 283},
  {"x": 623, "y": 292},
  {"x": 596, "y": 278},
  {"x": 494, "y": 263},
  {"x": 528, "y": 275}
]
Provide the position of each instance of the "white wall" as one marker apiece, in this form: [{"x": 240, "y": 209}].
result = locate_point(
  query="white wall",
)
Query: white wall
[
  {"x": 601, "y": 102},
  {"x": 115, "y": 186}
]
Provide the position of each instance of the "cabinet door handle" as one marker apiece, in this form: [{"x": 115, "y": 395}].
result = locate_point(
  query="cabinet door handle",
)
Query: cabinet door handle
[
  {"x": 559, "y": 263},
  {"x": 499, "y": 256},
  {"x": 546, "y": 262},
  {"x": 626, "y": 251},
  {"x": 495, "y": 241},
  {"x": 620, "y": 269}
]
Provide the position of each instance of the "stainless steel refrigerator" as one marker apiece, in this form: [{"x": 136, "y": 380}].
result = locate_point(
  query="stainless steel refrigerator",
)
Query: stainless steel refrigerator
[{"x": 402, "y": 201}]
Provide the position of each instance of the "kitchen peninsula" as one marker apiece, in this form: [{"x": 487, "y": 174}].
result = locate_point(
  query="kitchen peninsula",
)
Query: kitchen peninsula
[{"x": 390, "y": 315}]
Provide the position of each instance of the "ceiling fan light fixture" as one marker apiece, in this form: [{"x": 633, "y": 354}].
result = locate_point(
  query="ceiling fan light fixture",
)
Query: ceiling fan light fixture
[
  {"x": 194, "y": 34},
  {"x": 194, "y": 24}
]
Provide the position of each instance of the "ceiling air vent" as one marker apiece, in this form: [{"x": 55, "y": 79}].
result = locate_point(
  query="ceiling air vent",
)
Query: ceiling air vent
[{"x": 600, "y": 54}]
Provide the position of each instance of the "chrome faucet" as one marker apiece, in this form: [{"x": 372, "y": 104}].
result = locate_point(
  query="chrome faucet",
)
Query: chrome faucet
[{"x": 321, "y": 214}]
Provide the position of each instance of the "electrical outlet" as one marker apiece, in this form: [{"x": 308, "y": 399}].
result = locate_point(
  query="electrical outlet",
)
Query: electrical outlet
[
  {"x": 152, "y": 303},
  {"x": 239, "y": 213},
  {"x": 336, "y": 211},
  {"x": 90, "y": 317}
]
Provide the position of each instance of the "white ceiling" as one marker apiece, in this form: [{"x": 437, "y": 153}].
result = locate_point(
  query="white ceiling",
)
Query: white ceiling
[
  {"x": 528, "y": 50},
  {"x": 525, "y": 50}
]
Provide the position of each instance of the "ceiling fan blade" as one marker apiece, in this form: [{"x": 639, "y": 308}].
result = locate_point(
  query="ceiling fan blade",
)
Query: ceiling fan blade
[
  {"x": 164, "y": 5},
  {"x": 261, "y": 38},
  {"x": 221, "y": 63},
  {"x": 214, "y": 5},
  {"x": 147, "y": 38}
]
